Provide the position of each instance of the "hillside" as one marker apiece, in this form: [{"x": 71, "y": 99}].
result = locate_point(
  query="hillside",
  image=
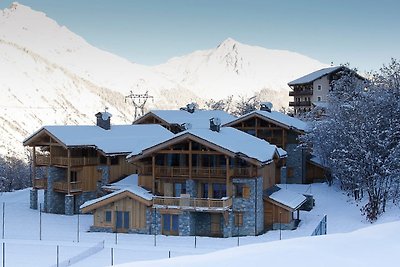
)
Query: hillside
[{"x": 50, "y": 75}]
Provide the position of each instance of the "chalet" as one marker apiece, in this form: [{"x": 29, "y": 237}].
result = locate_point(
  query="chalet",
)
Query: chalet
[
  {"x": 281, "y": 130},
  {"x": 207, "y": 182},
  {"x": 72, "y": 163},
  {"x": 186, "y": 118},
  {"x": 313, "y": 88}
]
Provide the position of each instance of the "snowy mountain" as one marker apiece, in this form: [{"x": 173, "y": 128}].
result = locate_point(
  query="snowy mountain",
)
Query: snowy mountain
[
  {"x": 233, "y": 68},
  {"x": 49, "y": 75}
]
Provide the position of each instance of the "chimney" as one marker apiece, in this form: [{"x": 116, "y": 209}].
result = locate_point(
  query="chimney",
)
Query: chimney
[
  {"x": 266, "y": 106},
  {"x": 103, "y": 120},
  {"x": 191, "y": 107},
  {"x": 215, "y": 124}
]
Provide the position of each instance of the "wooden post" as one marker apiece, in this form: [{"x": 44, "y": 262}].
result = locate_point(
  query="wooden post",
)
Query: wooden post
[
  {"x": 33, "y": 165},
  {"x": 69, "y": 172},
  {"x": 228, "y": 187},
  {"x": 153, "y": 167},
  {"x": 190, "y": 159}
]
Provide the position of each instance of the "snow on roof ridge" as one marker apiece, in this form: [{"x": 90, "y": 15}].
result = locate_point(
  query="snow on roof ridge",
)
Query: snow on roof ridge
[{"x": 314, "y": 75}]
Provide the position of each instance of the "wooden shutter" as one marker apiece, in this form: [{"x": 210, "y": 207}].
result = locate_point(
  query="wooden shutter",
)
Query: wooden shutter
[{"x": 246, "y": 191}]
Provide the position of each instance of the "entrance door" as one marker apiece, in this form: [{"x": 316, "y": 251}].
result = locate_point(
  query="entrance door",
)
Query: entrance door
[
  {"x": 170, "y": 224},
  {"x": 216, "y": 224},
  {"x": 122, "y": 221}
]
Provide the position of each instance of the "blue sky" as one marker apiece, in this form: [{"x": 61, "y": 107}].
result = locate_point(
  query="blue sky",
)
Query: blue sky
[{"x": 364, "y": 33}]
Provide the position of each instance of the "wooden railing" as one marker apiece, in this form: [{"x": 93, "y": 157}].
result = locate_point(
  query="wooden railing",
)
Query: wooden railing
[
  {"x": 193, "y": 203},
  {"x": 62, "y": 187},
  {"x": 42, "y": 159},
  {"x": 40, "y": 183},
  {"x": 63, "y": 161},
  {"x": 300, "y": 103},
  {"x": 199, "y": 172},
  {"x": 301, "y": 92}
]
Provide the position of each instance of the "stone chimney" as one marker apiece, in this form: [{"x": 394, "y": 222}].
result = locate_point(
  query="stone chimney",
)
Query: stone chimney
[
  {"x": 103, "y": 120},
  {"x": 266, "y": 106},
  {"x": 215, "y": 124},
  {"x": 191, "y": 107}
]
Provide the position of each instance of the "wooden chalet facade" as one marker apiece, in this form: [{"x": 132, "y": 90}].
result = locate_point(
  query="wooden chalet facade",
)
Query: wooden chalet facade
[
  {"x": 202, "y": 182},
  {"x": 72, "y": 163},
  {"x": 283, "y": 131}
]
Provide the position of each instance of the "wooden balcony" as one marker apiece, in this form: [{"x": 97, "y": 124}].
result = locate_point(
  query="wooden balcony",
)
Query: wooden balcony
[
  {"x": 300, "y": 104},
  {"x": 40, "y": 183},
  {"x": 63, "y": 161},
  {"x": 188, "y": 203},
  {"x": 199, "y": 172},
  {"x": 301, "y": 92},
  {"x": 42, "y": 160},
  {"x": 62, "y": 187}
]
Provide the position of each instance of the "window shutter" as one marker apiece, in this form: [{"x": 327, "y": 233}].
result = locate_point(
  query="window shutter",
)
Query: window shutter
[{"x": 246, "y": 192}]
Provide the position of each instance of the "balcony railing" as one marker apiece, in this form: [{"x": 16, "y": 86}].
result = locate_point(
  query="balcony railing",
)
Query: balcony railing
[
  {"x": 40, "y": 183},
  {"x": 42, "y": 159},
  {"x": 300, "y": 103},
  {"x": 300, "y": 93},
  {"x": 62, "y": 186},
  {"x": 63, "y": 161},
  {"x": 193, "y": 203},
  {"x": 199, "y": 172}
]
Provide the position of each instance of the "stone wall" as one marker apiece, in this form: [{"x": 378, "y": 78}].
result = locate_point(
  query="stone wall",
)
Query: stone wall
[
  {"x": 296, "y": 161},
  {"x": 191, "y": 188},
  {"x": 55, "y": 202},
  {"x": 252, "y": 207},
  {"x": 186, "y": 223}
]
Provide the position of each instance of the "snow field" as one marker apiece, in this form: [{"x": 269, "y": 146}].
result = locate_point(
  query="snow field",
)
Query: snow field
[{"x": 23, "y": 247}]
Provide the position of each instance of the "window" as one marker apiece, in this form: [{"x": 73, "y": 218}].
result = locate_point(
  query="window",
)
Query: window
[
  {"x": 242, "y": 191},
  {"x": 219, "y": 190},
  {"x": 238, "y": 190},
  {"x": 319, "y": 87},
  {"x": 74, "y": 176},
  {"x": 204, "y": 191},
  {"x": 114, "y": 160},
  {"x": 319, "y": 98},
  {"x": 108, "y": 216},
  {"x": 238, "y": 218},
  {"x": 179, "y": 188},
  {"x": 170, "y": 224}
]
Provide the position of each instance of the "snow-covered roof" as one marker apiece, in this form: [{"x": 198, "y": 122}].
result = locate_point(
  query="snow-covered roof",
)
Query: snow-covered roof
[
  {"x": 128, "y": 184},
  {"x": 230, "y": 139},
  {"x": 197, "y": 119},
  {"x": 318, "y": 161},
  {"x": 288, "y": 198},
  {"x": 138, "y": 191},
  {"x": 120, "y": 139},
  {"x": 276, "y": 117},
  {"x": 314, "y": 75},
  {"x": 131, "y": 180}
]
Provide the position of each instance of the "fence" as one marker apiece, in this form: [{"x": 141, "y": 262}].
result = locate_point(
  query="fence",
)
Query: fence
[
  {"x": 321, "y": 228},
  {"x": 81, "y": 256}
]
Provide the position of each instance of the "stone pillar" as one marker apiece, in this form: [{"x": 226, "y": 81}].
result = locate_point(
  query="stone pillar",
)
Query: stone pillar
[
  {"x": 34, "y": 199},
  {"x": 191, "y": 188},
  {"x": 69, "y": 205}
]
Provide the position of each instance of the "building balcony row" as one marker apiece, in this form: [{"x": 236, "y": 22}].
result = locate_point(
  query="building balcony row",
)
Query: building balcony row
[
  {"x": 301, "y": 92},
  {"x": 300, "y": 104},
  {"x": 44, "y": 160}
]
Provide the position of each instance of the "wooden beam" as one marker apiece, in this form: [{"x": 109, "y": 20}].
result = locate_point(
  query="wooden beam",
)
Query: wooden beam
[
  {"x": 69, "y": 171},
  {"x": 228, "y": 187},
  {"x": 33, "y": 164},
  {"x": 153, "y": 173},
  {"x": 190, "y": 159}
]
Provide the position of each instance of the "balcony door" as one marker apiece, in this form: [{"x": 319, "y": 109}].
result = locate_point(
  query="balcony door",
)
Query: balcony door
[
  {"x": 122, "y": 221},
  {"x": 215, "y": 224},
  {"x": 170, "y": 224},
  {"x": 219, "y": 190}
]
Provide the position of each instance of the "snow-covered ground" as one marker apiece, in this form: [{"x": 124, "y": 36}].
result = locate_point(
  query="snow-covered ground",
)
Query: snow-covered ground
[{"x": 24, "y": 248}]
